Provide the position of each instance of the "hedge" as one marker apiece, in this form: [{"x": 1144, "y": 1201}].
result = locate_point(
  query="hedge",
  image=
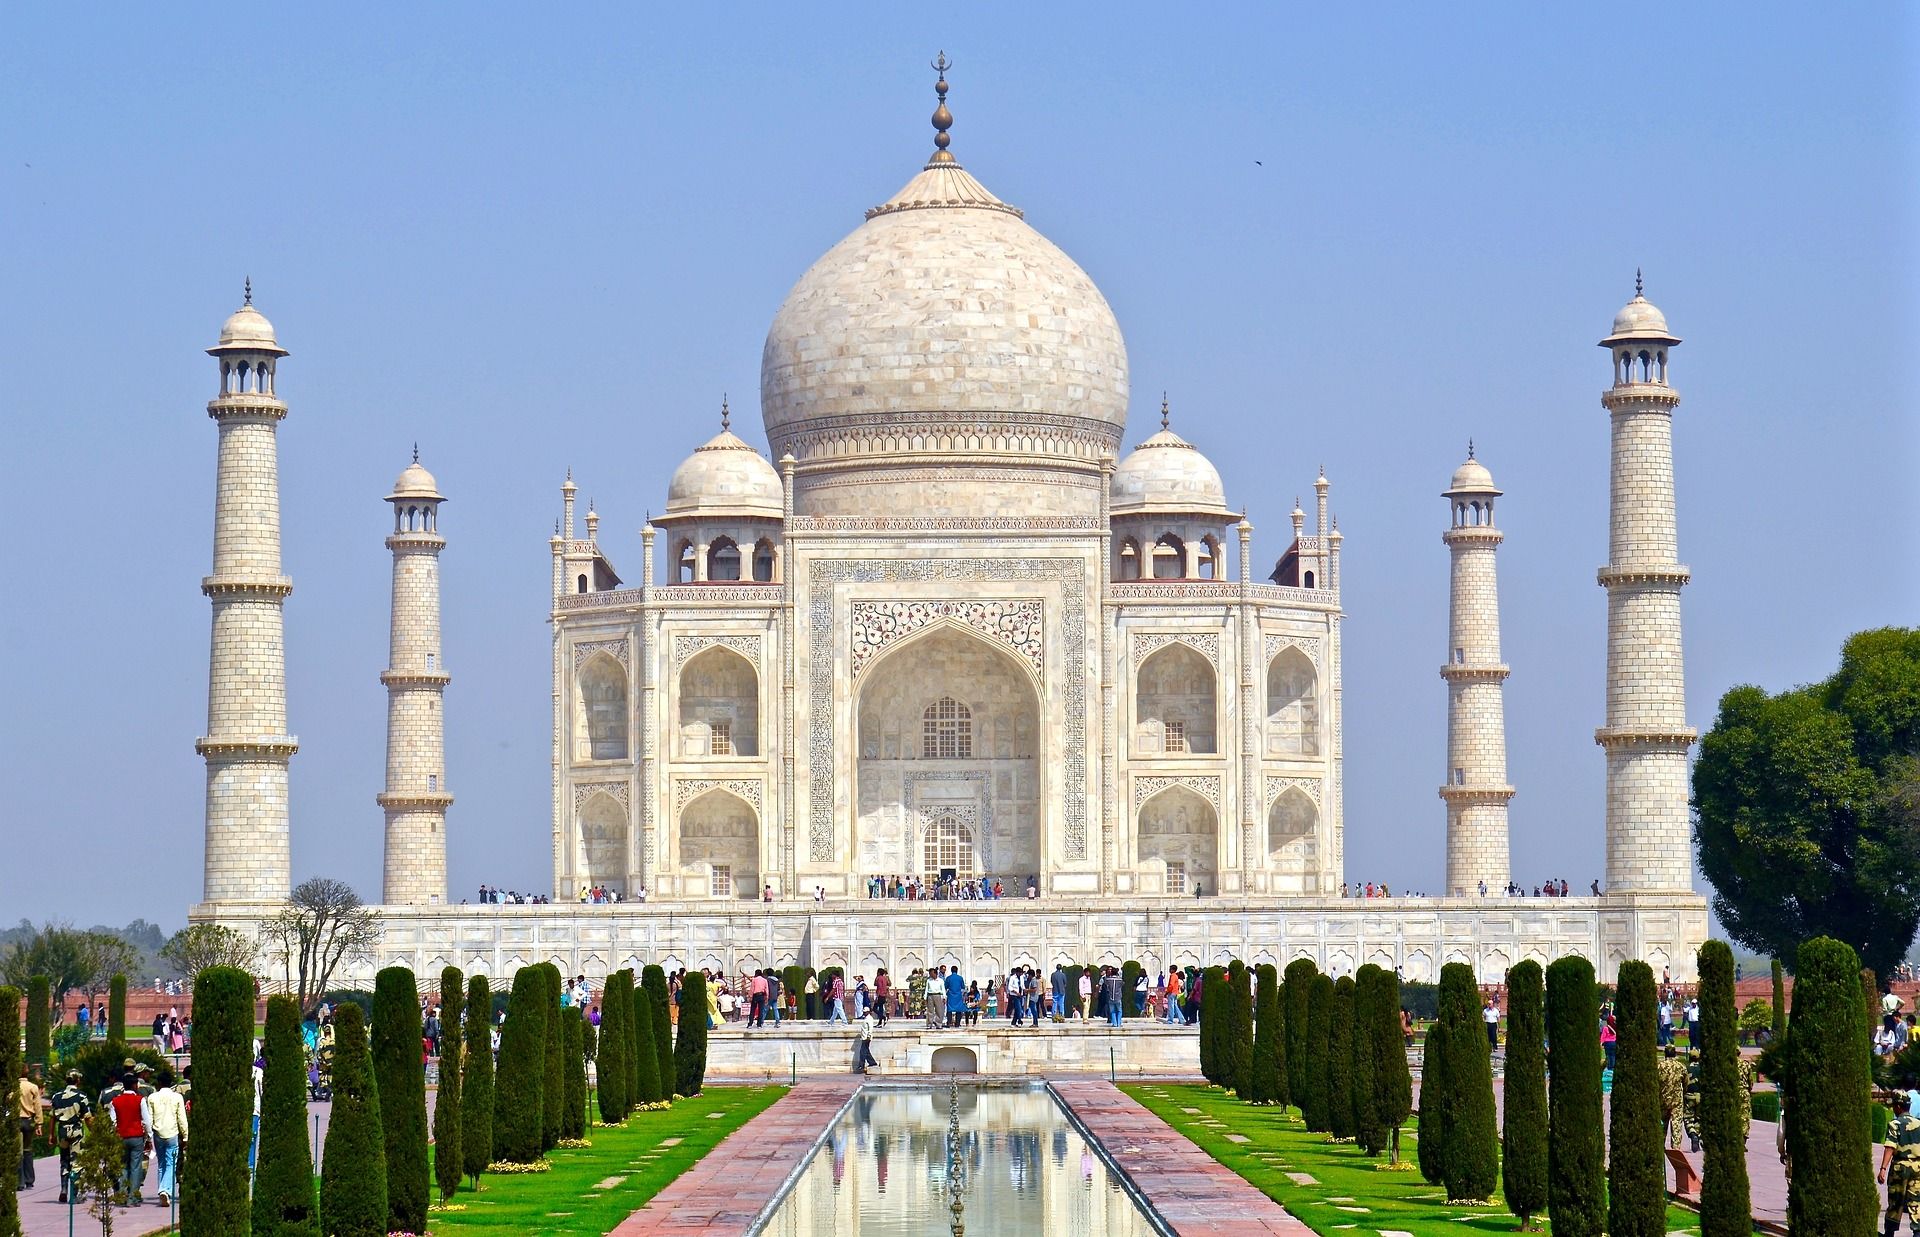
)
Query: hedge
[
  {"x": 1636, "y": 1165},
  {"x": 1832, "y": 1188},
  {"x": 1725, "y": 1201},
  {"x": 10, "y": 1061},
  {"x": 611, "y": 1063},
  {"x": 117, "y": 1008},
  {"x": 1431, "y": 1138},
  {"x": 40, "y": 1022},
  {"x": 284, "y": 1204},
  {"x": 642, "y": 1058},
  {"x": 654, "y": 980},
  {"x": 353, "y": 1166},
  {"x": 553, "y": 1090},
  {"x": 476, "y": 1081},
  {"x": 520, "y": 1080},
  {"x": 1296, "y": 980},
  {"x": 447, "y": 1159},
  {"x": 1470, "y": 1157},
  {"x": 1314, "y": 1108},
  {"x": 1130, "y": 972},
  {"x": 402, "y": 1081},
  {"x": 1576, "y": 1174},
  {"x": 1392, "y": 1076},
  {"x": 793, "y": 987},
  {"x": 1074, "y": 973},
  {"x": 1212, "y": 982},
  {"x": 1369, "y": 1131},
  {"x": 213, "y": 1182},
  {"x": 1269, "y": 1038},
  {"x": 573, "y": 1118},
  {"x": 1765, "y": 1106},
  {"x": 1340, "y": 1118},
  {"x": 1238, "y": 1059},
  {"x": 1523, "y": 1137},
  {"x": 690, "y": 1050}
]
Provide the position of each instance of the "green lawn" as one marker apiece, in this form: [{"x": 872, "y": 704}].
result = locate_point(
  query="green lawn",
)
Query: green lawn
[
  {"x": 1350, "y": 1195},
  {"x": 593, "y": 1189}
]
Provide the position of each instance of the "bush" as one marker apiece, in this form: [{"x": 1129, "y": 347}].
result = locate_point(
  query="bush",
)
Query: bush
[
  {"x": 10, "y": 1059},
  {"x": 650, "y": 1086},
  {"x": 1831, "y": 1189},
  {"x": 96, "y": 1167},
  {"x": 1523, "y": 1138},
  {"x": 1369, "y": 1132},
  {"x": 1636, "y": 1167},
  {"x": 1392, "y": 1077},
  {"x": 553, "y": 1091},
  {"x": 284, "y": 1204},
  {"x": 1297, "y": 980},
  {"x": 1074, "y": 973},
  {"x": 690, "y": 1050},
  {"x": 336, "y": 997},
  {"x": 573, "y": 1118},
  {"x": 68, "y": 1039},
  {"x": 100, "y": 1063},
  {"x": 1314, "y": 1108},
  {"x": 1237, "y": 1061},
  {"x": 520, "y": 1081},
  {"x": 402, "y": 1082},
  {"x": 611, "y": 1065},
  {"x": 40, "y": 1022},
  {"x": 1755, "y": 1017},
  {"x": 1340, "y": 1117},
  {"x": 1576, "y": 1176},
  {"x": 825, "y": 979},
  {"x": 793, "y": 987},
  {"x": 654, "y": 980},
  {"x": 1422, "y": 1001},
  {"x": 213, "y": 1182},
  {"x": 1209, "y": 1025},
  {"x": 117, "y": 1008},
  {"x": 1725, "y": 1204},
  {"x": 1471, "y": 1157},
  {"x": 353, "y": 1167},
  {"x": 1765, "y": 1106},
  {"x": 1130, "y": 972},
  {"x": 1268, "y": 1031},
  {"x": 448, "y": 1162},
  {"x": 476, "y": 1081},
  {"x": 1431, "y": 1141}
]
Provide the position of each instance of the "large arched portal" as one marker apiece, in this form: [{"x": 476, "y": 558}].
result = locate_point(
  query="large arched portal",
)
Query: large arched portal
[
  {"x": 721, "y": 829},
  {"x": 603, "y": 843},
  {"x": 1180, "y": 828},
  {"x": 719, "y": 700},
  {"x": 947, "y": 764}
]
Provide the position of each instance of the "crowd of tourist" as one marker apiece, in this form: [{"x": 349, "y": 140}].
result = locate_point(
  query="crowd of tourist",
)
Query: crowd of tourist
[{"x": 956, "y": 888}]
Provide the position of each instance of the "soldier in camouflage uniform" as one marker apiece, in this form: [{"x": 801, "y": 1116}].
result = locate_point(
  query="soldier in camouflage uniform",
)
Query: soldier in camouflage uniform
[
  {"x": 1902, "y": 1155},
  {"x": 1673, "y": 1094},
  {"x": 1691, "y": 1114}
]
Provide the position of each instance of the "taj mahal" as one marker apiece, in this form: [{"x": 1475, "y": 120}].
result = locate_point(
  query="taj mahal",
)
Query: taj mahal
[{"x": 947, "y": 616}]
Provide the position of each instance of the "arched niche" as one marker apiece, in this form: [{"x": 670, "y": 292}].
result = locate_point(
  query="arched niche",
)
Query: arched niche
[
  {"x": 719, "y": 704},
  {"x": 1293, "y": 705},
  {"x": 1182, "y": 830},
  {"x": 600, "y": 731},
  {"x": 604, "y": 829},
  {"x": 1174, "y": 704},
  {"x": 1291, "y": 823},
  {"x": 722, "y": 829}
]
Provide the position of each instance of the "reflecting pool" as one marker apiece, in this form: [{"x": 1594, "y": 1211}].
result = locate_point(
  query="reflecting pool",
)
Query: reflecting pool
[{"x": 894, "y": 1164}]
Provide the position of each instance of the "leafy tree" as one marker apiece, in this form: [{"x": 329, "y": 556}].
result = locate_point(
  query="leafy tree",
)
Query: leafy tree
[
  {"x": 650, "y": 1087},
  {"x": 1471, "y": 1155},
  {"x": 1523, "y": 1138},
  {"x": 447, "y": 1160},
  {"x": 402, "y": 1082},
  {"x": 323, "y": 926},
  {"x": 1725, "y": 1206},
  {"x": 96, "y": 1168},
  {"x": 117, "y": 1008},
  {"x": 1294, "y": 991},
  {"x": 198, "y": 946},
  {"x": 1264, "y": 1082},
  {"x": 1392, "y": 1077},
  {"x": 554, "y": 1089},
  {"x": 1369, "y": 1131},
  {"x": 610, "y": 1065},
  {"x": 1340, "y": 1111},
  {"x": 476, "y": 1082},
  {"x": 58, "y": 952},
  {"x": 284, "y": 1204},
  {"x": 1576, "y": 1177},
  {"x": 520, "y": 1081},
  {"x": 39, "y": 1025},
  {"x": 353, "y": 1167},
  {"x": 690, "y": 1050},
  {"x": 573, "y": 1118},
  {"x": 1314, "y": 1109},
  {"x": 1831, "y": 1188},
  {"x": 1755, "y": 1016},
  {"x": 9, "y": 1128},
  {"x": 1636, "y": 1168},
  {"x": 1807, "y": 805},
  {"x": 654, "y": 980}
]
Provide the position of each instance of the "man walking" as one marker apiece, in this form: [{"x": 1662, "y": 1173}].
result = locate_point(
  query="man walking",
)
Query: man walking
[
  {"x": 1174, "y": 1016},
  {"x": 1086, "y": 996},
  {"x": 936, "y": 997},
  {"x": 26, "y": 1108},
  {"x": 863, "y": 1044},
  {"x": 1693, "y": 1024},
  {"x": 131, "y": 1122},
  {"x": 776, "y": 993},
  {"x": 956, "y": 997},
  {"x": 1491, "y": 1016},
  {"x": 757, "y": 999},
  {"x": 882, "y": 990},
  {"x": 71, "y": 1107},
  {"x": 1110, "y": 992},
  {"x": 836, "y": 1007},
  {"x": 168, "y": 1115},
  {"x": 1059, "y": 978}
]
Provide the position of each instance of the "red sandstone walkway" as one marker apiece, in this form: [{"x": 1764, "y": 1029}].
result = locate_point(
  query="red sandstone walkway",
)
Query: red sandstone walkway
[
  {"x": 1191, "y": 1190},
  {"x": 724, "y": 1192}
]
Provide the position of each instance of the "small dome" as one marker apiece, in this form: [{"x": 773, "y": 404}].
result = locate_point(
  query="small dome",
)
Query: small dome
[
  {"x": 1471, "y": 477},
  {"x": 414, "y": 482},
  {"x": 1167, "y": 474},
  {"x": 248, "y": 329},
  {"x": 1639, "y": 318},
  {"x": 726, "y": 476}
]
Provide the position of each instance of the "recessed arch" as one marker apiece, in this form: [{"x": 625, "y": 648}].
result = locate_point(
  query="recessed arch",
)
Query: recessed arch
[
  {"x": 1293, "y": 705},
  {"x": 1181, "y": 829},
  {"x": 1175, "y": 703},
  {"x": 603, "y": 830},
  {"x": 721, "y": 829},
  {"x": 1169, "y": 558},
  {"x": 600, "y": 724},
  {"x": 723, "y": 559},
  {"x": 718, "y": 700},
  {"x": 1290, "y": 822}
]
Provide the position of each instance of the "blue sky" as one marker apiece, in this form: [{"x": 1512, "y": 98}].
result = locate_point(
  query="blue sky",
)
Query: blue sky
[{"x": 1339, "y": 234}]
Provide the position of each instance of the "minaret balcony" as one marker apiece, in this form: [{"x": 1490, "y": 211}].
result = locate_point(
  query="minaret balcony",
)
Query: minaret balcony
[
  {"x": 1635, "y": 395},
  {"x": 1653, "y": 575},
  {"x": 1646, "y": 738},
  {"x": 1476, "y": 796},
  {"x": 415, "y": 678},
  {"x": 1453, "y": 672},
  {"x": 416, "y": 541},
  {"x": 429, "y": 800},
  {"x": 247, "y": 588},
  {"x": 238, "y": 407},
  {"x": 242, "y": 747}
]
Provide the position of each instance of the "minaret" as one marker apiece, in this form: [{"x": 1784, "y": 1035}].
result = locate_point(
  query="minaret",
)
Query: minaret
[
  {"x": 1646, "y": 737},
  {"x": 416, "y": 798},
  {"x": 1476, "y": 792},
  {"x": 247, "y": 746}
]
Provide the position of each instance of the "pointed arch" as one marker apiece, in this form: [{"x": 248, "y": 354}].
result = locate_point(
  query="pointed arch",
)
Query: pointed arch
[
  {"x": 723, "y": 559},
  {"x": 720, "y": 829},
  {"x": 1169, "y": 558},
  {"x": 1293, "y": 705},
  {"x": 600, "y": 731},
  {"x": 1181, "y": 829},
  {"x": 718, "y": 703},
  {"x": 1175, "y": 703},
  {"x": 1291, "y": 820},
  {"x": 603, "y": 829}
]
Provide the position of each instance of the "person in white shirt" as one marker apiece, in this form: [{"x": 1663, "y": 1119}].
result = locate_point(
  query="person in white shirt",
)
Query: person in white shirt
[
  {"x": 1086, "y": 996},
  {"x": 1491, "y": 1016},
  {"x": 167, "y": 1122}
]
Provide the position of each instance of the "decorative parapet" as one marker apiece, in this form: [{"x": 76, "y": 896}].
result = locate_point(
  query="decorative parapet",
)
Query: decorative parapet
[
  {"x": 1456, "y": 673},
  {"x": 1678, "y": 739},
  {"x": 243, "y": 588},
  {"x": 1475, "y": 796},
  {"x": 1219, "y": 590},
  {"x": 1668, "y": 575},
  {"x": 276, "y": 747}
]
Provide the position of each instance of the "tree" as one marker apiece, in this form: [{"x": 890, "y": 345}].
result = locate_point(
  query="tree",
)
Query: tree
[
  {"x": 1636, "y": 1168},
  {"x": 402, "y": 1083},
  {"x": 353, "y": 1167},
  {"x": 1430, "y": 1143},
  {"x": 649, "y": 1086},
  {"x": 447, "y": 1160},
  {"x": 1780, "y": 1001},
  {"x": 1392, "y": 1077},
  {"x": 1237, "y": 1062},
  {"x": 10, "y": 1134},
  {"x": 521, "y": 1079},
  {"x": 1807, "y": 806},
  {"x": 610, "y": 1063},
  {"x": 1212, "y": 981},
  {"x": 1263, "y": 1082},
  {"x": 56, "y": 951},
  {"x": 654, "y": 980},
  {"x": 1576, "y": 1178},
  {"x": 476, "y": 1082},
  {"x": 573, "y": 1117},
  {"x": 690, "y": 1050},
  {"x": 1831, "y": 1188},
  {"x": 97, "y": 1162},
  {"x": 198, "y": 946},
  {"x": 1340, "y": 1115},
  {"x": 117, "y": 1008},
  {"x": 1130, "y": 972},
  {"x": 1315, "y": 1107},
  {"x": 1725, "y": 1205},
  {"x": 213, "y": 1183},
  {"x": 553, "y": 1039},
  {"x": 284, "y": 1204},
  {"x": 323, "y": 925},
  {"x": 1369, "y": 1131},
  {"x": 1471, "y": 1156},
  {"x": 1523, "y": 1137},
  {"x": 1293, "y": 998},
  {"x": 39, "y": 1025}
]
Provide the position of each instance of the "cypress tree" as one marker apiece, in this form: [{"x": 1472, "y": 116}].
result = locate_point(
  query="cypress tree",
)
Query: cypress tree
[
  {"x": 213, "y": 1184},
  {"x": 1213, "y": 982},
  {"x": 1130, "y": 972},
  {"x": 1636, "y": 1168},
  {"x": 1471, "y": 1158},
  {"x": 10, "y": 1062},
  {"x": 1074, "y": 972},
  {"x": 1264, "y": 1082},
  {"x": 1725, "y": 1204},
  {"x": 1340, "y": 1118},
  {"x": 40, "y": 1022},
  {"x": 284, "y": 1204},
  {"x": 447, "y": 1160},
  {"x": 1392, "y": 1077},
  {"x": 1238, "y": 1063},
  {"x": 654, "y": 980},
  {"x": 1523, "y": 1139},
  {"x": 521, "y": 1078},
  {"x": 1831, "y": 1188},
  {"x": 402, "y": 1082},
  {"x": 353, "y": 1167},
  {"x": 1293, "y": 1001},
  {"x": 690, "y": 1050},
  {"x": 554, "y": 1090},
  {"x": 117, "y": 1009},
  {"x": 646, "y": 1055},
  {"x": 1314, "y": 1108},
  {"x": 476, "y": 1081},
  {"x": 1576, "y": 1177},
  {"x": 610, "y": 1063},
  {"x": 1369, "y": 1131},
  {"x": 1780, "y": 1001},
  {"x": 1435, "y": 1118},
  {"x": 573, "y": 1118}
]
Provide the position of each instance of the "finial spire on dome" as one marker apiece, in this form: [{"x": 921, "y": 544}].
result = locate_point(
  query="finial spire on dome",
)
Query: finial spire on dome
[
  {"x": 248, "y": 292},
  {"x": 1639, "y": 284},
  {"x": 726, "y": 416},
  {"x": 416, "y": 453},
  {"x": 1469, "y": 448},
  {"x": 942, "y": 118},
  {"x": 1166, "y": 417}
]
